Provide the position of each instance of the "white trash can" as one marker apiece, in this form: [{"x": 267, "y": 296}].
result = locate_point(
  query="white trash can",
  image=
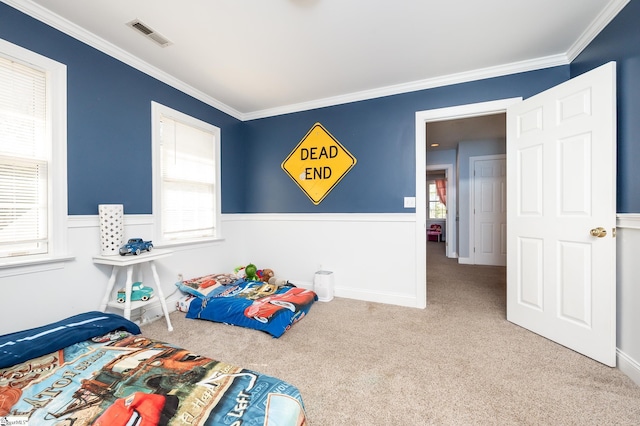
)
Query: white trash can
[{"x": 323, "y": 285}]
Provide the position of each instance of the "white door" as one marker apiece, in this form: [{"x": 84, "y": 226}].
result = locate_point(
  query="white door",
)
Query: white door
[
  {"x": 489, "y": 212},
  {"x": 561, "y": 160}
]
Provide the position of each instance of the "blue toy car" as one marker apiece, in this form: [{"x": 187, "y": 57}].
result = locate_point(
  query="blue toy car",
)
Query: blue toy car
[
  {"x": 138, "y": 292},
  {"x": 135, "y": 246}
]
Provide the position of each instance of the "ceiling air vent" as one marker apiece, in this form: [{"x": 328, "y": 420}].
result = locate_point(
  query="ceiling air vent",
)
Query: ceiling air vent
[{"x": 148, "y": 32}]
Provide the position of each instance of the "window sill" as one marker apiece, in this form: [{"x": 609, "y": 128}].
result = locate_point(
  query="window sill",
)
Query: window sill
[
  {"x": 186, "y": 243},
  {"x": 33, "y": 264}
]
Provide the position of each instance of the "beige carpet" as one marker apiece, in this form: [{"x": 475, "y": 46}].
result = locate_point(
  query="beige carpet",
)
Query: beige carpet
[{"x": 458, "y": 362}]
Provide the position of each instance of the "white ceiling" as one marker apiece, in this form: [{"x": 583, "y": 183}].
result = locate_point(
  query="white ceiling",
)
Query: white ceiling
[
  {"x": 254, "y": 58},
  {"x": 448, "y": 133}
]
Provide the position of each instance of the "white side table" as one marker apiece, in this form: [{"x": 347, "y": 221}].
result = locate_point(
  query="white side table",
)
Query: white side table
[{"x": 129, "y": 262}]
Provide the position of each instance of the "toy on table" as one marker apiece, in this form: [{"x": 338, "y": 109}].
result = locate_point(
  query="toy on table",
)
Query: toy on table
[
  {"x": 138, "y": 292},
  {"x": 135, "y": 246}
]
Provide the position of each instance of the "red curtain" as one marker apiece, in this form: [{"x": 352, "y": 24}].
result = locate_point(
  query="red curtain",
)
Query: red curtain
[{"x": 441, "y": 188}]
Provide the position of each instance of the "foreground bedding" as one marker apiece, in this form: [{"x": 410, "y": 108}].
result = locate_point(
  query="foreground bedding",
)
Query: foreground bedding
[
  {"x": 253, "y": 304},
  {"x": 119, "y": 378}
]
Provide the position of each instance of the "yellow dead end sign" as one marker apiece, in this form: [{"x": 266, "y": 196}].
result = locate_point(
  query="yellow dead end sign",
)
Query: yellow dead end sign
[{"x": 318, "y": 163}]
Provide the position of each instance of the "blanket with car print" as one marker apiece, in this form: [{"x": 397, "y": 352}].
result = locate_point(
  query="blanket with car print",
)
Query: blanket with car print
[
  {"x": 120, "y": 378},
  {"x": 254, "y": 304}
]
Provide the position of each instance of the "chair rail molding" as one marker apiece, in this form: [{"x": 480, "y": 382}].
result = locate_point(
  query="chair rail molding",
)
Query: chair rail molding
[{"x": 628, "y": 220}]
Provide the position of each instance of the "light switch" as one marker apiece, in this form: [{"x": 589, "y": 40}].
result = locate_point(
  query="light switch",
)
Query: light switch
[{"x": 409, "y": 202}]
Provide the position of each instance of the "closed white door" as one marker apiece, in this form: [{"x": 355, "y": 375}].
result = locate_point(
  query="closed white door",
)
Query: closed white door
[
  {"x": 489, "y": 212},
  {"x": 561, "y": 257}
]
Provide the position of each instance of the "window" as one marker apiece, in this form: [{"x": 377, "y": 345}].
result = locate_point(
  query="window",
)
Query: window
[
  {"x": 33, "y": 185},
  {"x": 437, "y": 210},
  {"x": 186, "y": 177}
]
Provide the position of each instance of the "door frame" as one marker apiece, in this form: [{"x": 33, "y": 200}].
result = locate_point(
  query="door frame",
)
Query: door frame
[
  {"x": 421, "y": 119},
  {"x": 450, "y": 231},
  {"x": 472, "y": 200}
]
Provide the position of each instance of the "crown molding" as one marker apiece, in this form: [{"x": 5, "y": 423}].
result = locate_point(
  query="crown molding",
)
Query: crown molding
[
  {"x": 602, "y": 20},
  {"x": 463, "y": 77},
  {"x": 44, "y": 15},
  {"x": 56, "y": 21}
]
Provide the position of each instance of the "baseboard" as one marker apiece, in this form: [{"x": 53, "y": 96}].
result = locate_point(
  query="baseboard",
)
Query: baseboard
[
  {"x": 628, "y": 366},
  {"x": 308, "y": 285},
  {"x": 367, "y": 295},
  {"x": 465, "y": 261},
  {"x": 376, "y": 296}
]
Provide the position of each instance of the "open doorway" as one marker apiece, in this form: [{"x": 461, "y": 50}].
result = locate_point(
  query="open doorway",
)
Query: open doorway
[
  {"x": 476, "y": 195},
  {"x": 430, "y": 118},
  {"x": 573, "y": 315}
]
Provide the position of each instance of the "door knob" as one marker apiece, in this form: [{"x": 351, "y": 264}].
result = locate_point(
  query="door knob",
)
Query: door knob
[{"x": 599, "y": 232}]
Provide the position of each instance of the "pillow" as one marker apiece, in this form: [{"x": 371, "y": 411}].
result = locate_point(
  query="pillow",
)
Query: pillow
[{"x": 203, "y": 286}]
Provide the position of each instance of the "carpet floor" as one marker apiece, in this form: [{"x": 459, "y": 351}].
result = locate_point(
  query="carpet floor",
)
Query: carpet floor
[{"x": 458, "y": 362}]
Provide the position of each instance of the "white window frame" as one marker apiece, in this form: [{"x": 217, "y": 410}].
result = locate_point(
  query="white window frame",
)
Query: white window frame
[
  {"x": 157, "y": 112},
  {"x": 56, "y": 92}
]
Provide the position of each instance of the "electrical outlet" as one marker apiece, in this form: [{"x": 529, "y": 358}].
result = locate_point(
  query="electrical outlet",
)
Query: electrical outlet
[
  {"x": 180, "y": 277},
  {"x": 409, "y": 202}
]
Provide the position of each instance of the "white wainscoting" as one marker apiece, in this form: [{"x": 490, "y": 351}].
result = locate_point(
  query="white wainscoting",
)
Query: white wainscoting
[
  {"x": 628, "y": 297},
  {"x": 33, "y": 297},
  {"x": 372, "y": 257}
]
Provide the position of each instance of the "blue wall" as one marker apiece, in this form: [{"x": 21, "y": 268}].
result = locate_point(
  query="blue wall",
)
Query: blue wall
[
  {"x": 380, "y": 133},
  {"x": 620, "y": 42},
  {"x": 109, "y": 133},
  {"x": 109, "y": 128},
  {"x": 109, "y": 121}
]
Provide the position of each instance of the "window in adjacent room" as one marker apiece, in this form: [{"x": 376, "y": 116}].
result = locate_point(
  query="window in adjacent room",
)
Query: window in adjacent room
[
  {"x": 437, "y": 209},
  {"x": 186, "y": 177},
  {"x": 33, "y": 185}
]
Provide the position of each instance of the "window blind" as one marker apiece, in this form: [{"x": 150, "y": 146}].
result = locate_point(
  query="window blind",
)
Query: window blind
[
  {"x": 24, "y": 168},
  {"x": 188, "y": 190}
]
